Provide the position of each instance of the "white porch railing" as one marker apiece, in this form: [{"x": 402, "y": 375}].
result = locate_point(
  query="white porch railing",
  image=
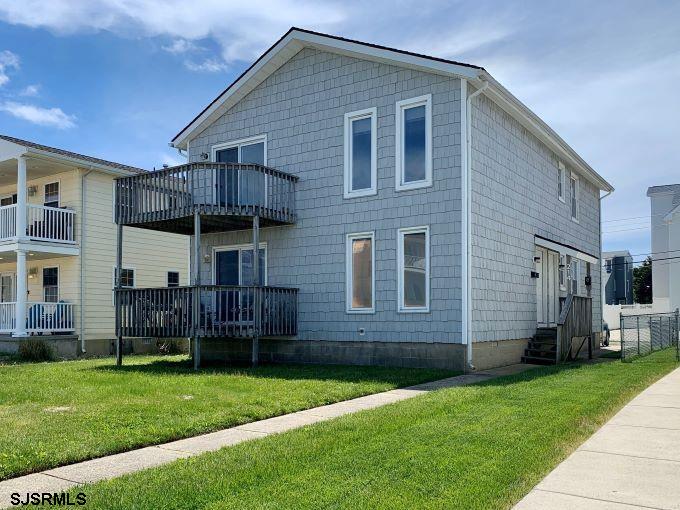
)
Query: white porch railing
[
  {"x": 50, "y": 223},
  {"x": 8, "y": 221},
  {"x": 41, "y": 317},
  {"x": 42, "y": 223}
]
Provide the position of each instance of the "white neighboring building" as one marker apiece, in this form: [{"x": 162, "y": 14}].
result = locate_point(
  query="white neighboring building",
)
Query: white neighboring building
[{"x": 665, "y": 227}]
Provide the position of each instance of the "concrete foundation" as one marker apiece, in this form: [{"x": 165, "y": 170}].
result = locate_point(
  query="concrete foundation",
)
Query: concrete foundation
[
  {"x": 487, "y": 355},
  {"x": 396, "y": 354},
  {"x": 63, "y": 346}
]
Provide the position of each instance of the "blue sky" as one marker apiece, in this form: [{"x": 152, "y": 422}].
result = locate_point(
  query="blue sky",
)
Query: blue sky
[{"x": 118, "y": 79}]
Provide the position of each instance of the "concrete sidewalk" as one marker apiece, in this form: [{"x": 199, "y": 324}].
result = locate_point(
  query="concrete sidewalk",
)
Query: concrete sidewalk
[
  {"x": 633, "y": 461},
  {"x": 66, "y": 477}
]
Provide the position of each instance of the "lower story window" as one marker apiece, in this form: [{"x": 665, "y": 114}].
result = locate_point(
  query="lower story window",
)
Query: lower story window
[
  {"x": 127, "y": 278},
  {"x": 360, "y": 273},
  {"x": 51, "y": 284},
  {"x": 173, "y": 278},
  {"x": 414, "y": 269}
]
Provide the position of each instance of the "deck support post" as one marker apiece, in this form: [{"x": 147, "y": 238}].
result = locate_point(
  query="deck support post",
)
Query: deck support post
[
  {"x": 197, "y": 292},
  {"x": 119, "y": 279},
  {"x": 256, "y": 295}
]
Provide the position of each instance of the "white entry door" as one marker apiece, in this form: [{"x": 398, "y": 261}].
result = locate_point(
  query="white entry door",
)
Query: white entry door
[{"x": 547, "y": 297}]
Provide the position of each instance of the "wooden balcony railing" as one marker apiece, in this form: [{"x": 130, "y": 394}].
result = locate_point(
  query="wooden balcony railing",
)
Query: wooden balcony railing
[
  {"x": 207, "y": 311},
  {"x": 207, "y": 188}
]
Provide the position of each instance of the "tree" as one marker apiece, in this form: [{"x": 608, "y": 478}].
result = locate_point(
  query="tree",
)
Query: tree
[{"x": 642, "y": 282}]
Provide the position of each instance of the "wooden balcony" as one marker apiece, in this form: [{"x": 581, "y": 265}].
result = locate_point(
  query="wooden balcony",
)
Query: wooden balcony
[
  {"x": 226, "y": 195},
  {"x": 207, "y": 311}
]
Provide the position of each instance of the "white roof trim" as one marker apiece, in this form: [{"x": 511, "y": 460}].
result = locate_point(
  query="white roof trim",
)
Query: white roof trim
[
  {"x": 565, "y": 250},
  {"x": 296, "y": 39}
]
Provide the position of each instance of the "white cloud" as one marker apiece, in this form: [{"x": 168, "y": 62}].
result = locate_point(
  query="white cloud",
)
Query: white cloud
[
  {"x": 30, "y": 91},
  {"x": 51, "y": 117},
  {"x": 209, "y": 65},
  {"x": 172, "y": 159},
  {"x": 241, "y": 29},
  {"x": 8, "y": 60},
  {"x": 181, "y": 46}
]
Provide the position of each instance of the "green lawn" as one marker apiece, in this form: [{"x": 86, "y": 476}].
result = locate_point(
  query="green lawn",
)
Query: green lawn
[
  {"x": 482, "y": 446},
  {"x": 63, "y": 412}
]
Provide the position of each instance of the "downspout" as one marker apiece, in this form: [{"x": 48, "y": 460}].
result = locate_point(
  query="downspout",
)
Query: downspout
[
  {"x": 466, "y": 220},
  {"x": 599, "y": 262},
  {"x": 82, "y": 259}
]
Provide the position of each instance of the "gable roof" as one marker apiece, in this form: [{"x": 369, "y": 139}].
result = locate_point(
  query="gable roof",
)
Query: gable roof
[
  {"x": 73, "y": 156},
  {"x": 296, "y": 39}
]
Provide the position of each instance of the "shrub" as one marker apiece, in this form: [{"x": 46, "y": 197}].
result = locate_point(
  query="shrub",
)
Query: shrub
[
  {"x": 34, "y": 349},
  {"x": 169, "y": 346}
]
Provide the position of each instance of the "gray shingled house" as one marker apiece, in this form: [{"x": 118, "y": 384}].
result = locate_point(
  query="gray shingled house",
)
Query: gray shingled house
[{"x": 407, "y": 210}]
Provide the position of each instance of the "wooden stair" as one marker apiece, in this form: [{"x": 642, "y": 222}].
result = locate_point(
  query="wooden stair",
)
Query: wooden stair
[{"x": 542, "y": 348}]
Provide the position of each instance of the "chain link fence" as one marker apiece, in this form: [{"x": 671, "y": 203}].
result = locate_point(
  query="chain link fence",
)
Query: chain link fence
[{"x": 647, "y": 333}]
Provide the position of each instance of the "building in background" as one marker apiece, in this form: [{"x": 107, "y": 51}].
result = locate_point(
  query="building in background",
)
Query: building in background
[
  {"x": 617, "y": 279},
  {"x": 665, "y": 227},
  {"x": 58, "y": 250}
]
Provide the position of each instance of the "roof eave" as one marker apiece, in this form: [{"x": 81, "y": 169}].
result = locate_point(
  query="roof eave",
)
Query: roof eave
[{"x": 77, "y": 162}]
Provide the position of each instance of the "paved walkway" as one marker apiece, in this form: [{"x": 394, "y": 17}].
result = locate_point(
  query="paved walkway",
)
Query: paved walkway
[
  {"x": 633, "y": 461},
  {"x": 65, "y": 477}
]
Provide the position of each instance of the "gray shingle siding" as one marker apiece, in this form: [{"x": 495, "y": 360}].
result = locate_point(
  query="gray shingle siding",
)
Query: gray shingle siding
[
  {"x": 301, "y": 109},
  {"x": 514, "y": 197}
]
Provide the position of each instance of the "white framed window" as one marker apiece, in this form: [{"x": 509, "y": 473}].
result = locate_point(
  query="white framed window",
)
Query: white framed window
[
  {"x": 574, "y": 196},
  {"x": 233, "y": 264},
  {"x": 361, "y": 153},
  {"x": 127, "y": 280},
  {"x": 561, "y": 272},
  {"x": 360, "y": 272},
  {"x": 247, "y": 150},
  {"x": 51, "y": 197},
  {"x": 50, "y": 283},
  {"x": 413, "y": 256},
  {"x": 413, "y": 142},
  {"x": 561, "y": 173},
  {"x": 173, "y": 279},
  {"x": 573, "y": 274}
]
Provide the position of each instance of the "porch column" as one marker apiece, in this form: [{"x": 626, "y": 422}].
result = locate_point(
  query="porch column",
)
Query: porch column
[
  {"x": 20, "y": 307},
  {"x": 119, "y": 280},
  {"x": 197, "y": 292},
  {"x": 256, "y": 294},
  {"x": 21, "y": 198}
]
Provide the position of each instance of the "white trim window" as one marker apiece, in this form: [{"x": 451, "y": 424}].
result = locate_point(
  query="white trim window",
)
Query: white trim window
[
  {"x": 413, "y": 142},
  {"x": 51, "y": 194},
  {"x": 361, "y": 153},
  {"x": 561, "y": 173},
  {"x": 247, "y": 150},
  {"x": 172, "y": 279},
  {"x": 50, "y": 284},
  {"x": 574, "y": 196},
  {"x": 360, "y": 272},
  {"x": 127, "y": 278},
  {"x": 413, "y": 252},
  {"x": 237, "y": 266}
]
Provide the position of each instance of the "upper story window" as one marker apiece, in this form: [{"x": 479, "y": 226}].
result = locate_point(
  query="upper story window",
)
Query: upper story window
[
  {"x": 8, "y": 200},
  {"x": 414, "y": 143},
  {"x": 561, "y": 173},
  {"x": 573, "y": 188},
  {"x": 360, "y": 153},
  {"x": 250, "y": 150},
  {"x": 414, "y": 269},
  {"x": 361, "y": 273},
  {"x": 51, "y": 195}
]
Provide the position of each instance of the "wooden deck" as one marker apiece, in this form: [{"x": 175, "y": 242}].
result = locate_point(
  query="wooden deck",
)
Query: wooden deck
[
  {"x": 207, "y": 311},
  {"x": 225, "y": 195}
]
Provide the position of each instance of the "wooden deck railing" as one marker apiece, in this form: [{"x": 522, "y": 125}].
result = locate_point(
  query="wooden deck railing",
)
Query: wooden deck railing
[
  {"x": 207, "y": 311},
  {"x": 208, "y": 188},
  {"x": 574, "y": 327}
]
